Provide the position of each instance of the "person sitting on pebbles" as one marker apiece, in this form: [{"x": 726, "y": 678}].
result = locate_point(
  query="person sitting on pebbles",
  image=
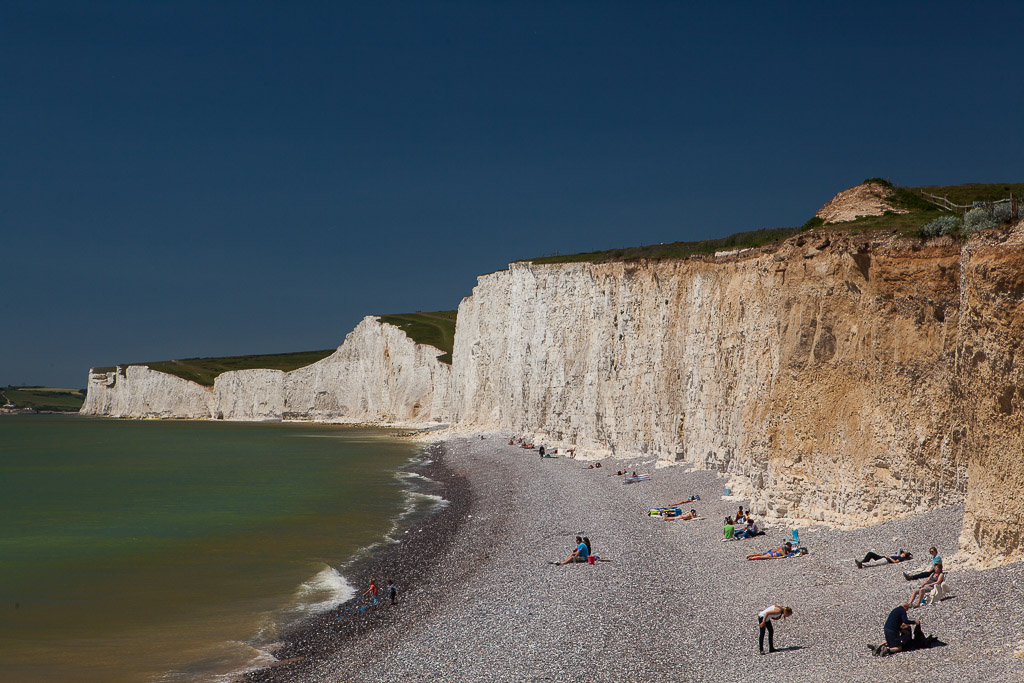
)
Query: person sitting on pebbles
[
  {"x": 785, "y": 550},
  {"x": 581, "y": 553},
  {"x": 899, "y": 556},
  {"x": 934, "y": 579},
  {"x": 750, "y": 530},
  {"x": 729, "y": 530}
]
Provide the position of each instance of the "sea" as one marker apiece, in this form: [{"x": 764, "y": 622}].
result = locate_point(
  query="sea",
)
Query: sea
[{"x": 179, "y": 550}]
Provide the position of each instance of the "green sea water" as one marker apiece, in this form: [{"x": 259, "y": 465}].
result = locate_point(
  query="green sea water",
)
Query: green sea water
[{"x": 171, "y": 550}]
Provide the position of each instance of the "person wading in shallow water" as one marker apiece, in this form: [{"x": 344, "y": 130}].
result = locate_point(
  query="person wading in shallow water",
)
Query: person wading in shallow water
[{"x": 764, "y": 623}]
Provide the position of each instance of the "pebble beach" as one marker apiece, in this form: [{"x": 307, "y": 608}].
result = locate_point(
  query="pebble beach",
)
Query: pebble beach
[{"x": 481, "y": 600}]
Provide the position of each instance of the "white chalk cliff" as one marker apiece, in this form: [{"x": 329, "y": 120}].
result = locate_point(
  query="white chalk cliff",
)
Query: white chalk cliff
[
  {"x": 836, "y": 378},
  {"x": 377, "y": 375},
  {"x": 828, "y": 377}
]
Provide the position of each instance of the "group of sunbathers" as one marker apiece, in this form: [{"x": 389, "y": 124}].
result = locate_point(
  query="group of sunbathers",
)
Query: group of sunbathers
[
  {"x": 933, "y": 577},
  {"x": 731, "y": 532}
]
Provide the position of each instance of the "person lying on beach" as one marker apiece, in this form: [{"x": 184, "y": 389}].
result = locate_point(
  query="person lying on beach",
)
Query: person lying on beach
[
  {"x": 593, "y": 467},
  {"x": 933, "y": 580},
  {"x": 692, "y": 499},
  {"x": 581, "y": 553},
  {"x": 618, "y": 474},
  {"x": 685, "y": 516},
  {"x": 897, "y": 631},
  {"x": 899, "y": 556},
  {"x": 775, "y": 553}
]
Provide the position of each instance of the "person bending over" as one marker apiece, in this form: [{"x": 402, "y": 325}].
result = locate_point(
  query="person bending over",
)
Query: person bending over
[
  {"x": 899, "y": 556},
  {"x": 897, "y": 631},
  {"x": 764, "y": 623},
  {"x": 932, "y": 582},
  {"x": 581, "y": 553},
  {"x": 782, "y": 551}
]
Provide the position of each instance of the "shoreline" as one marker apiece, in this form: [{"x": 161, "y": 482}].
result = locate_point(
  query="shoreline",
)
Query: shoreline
[
  {"x": 675, "y": 603},
  {"x": 408, "y": 559}
]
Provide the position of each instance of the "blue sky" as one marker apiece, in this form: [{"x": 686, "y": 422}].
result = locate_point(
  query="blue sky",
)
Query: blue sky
[{"x": 213, "y": 178}]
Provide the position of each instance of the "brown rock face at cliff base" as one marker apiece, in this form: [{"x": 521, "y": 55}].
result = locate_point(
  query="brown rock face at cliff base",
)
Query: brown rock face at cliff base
[
  {"x": 826, "y": 376},
  {"x": 866, "y": 199},
  {"x": 990, "y": 385}
]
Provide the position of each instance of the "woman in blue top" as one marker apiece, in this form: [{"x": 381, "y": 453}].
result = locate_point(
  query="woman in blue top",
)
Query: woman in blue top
[{"x": 581, "y": 553}]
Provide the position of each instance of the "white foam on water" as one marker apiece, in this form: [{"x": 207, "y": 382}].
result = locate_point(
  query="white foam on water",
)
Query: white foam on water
[
  {"x": 415, "y": 498},
  {"x": 259, "y": 659},
  {"x": 324, "y": 591}
]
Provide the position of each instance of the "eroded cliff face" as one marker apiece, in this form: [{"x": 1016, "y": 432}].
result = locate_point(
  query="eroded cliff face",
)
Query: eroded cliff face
[
  {"x": 825, "y": 376},
  {"x": 137, "y": 391},
  {"x": 377, "y": 375},
  {"x": 990, "y": 385}
]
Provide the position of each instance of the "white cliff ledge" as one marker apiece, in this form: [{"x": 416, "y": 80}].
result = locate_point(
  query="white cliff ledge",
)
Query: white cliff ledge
[{"x": 377, "y": 375}]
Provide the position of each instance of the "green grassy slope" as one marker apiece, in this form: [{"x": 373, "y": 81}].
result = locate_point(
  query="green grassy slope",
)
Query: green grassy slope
[
  {"x": 44, "y": 398},
  {"x": 435, "y": 329},
  {"x": 965, "y": 194},
  {"x": 205, "y": 370},
  {"x": 919, "y": 213}
]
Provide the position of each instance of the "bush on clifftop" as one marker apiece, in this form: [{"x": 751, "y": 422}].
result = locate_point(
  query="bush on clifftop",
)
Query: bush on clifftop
[
  {"x": 977, "y": 219},
  {"x": 943, "y": 225}
]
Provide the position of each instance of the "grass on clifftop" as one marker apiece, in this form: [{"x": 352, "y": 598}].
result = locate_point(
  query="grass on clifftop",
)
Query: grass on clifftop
[
  {"x": 435, "y": 329},
  {"x": 204, "y": 370},
  {"x": 965, "y": 194},
  {"x": 909, "y": 199},
  {"x": 44, "y": 398},
  {"x": 741, "y": 240}
]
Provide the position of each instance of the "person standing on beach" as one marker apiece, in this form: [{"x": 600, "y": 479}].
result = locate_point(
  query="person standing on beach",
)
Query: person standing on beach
[
  {"x": 372, "y": 591},
  {"x": 764, "y": 623},
  {"x": 392, "y": 592}
]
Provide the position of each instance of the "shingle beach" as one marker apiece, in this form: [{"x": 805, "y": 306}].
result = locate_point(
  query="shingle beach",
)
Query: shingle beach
[{"x": 481, "y": 600}]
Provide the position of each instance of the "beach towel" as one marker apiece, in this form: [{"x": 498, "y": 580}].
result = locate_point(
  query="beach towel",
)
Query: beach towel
[{"x": 639, "y": 477}]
